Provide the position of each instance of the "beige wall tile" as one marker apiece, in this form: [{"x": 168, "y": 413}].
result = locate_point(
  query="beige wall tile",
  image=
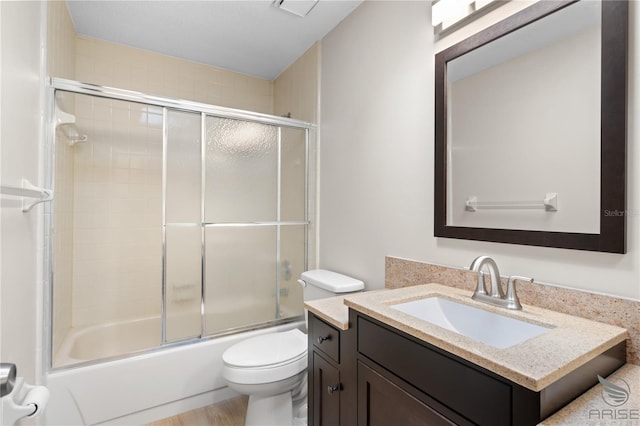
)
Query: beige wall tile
[
  {"x": 296, "y": 89},
  {"x": 114, "y": 65}
]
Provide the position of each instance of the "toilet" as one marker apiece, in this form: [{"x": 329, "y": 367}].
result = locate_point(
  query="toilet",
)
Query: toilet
[{"x": 272, "y": 368}]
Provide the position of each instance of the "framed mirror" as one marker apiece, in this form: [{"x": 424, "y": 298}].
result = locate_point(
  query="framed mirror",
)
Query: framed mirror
[{"x": 530, "y": 129}]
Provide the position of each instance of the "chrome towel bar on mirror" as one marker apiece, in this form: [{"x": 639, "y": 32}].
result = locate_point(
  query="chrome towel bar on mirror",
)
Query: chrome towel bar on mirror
[{"x": 550, "y": 204}]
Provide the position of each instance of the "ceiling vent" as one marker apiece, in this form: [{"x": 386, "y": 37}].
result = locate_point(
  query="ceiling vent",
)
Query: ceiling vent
[{"x": 297, "y": 7}]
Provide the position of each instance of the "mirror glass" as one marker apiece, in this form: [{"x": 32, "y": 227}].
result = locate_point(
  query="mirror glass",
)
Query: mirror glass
[
  {"x": 497, "y": 98},
  {"x": 524, "y": 129}
]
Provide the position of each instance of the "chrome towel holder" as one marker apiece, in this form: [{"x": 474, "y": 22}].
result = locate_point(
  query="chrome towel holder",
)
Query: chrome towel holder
[{"x": 550, "y": 204}]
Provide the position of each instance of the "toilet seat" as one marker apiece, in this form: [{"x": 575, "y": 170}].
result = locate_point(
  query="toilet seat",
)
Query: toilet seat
[{"x": 266, "y": 358}]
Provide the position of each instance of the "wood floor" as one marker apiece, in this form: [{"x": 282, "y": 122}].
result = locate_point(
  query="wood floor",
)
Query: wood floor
[{"x": 226, "y": 413}]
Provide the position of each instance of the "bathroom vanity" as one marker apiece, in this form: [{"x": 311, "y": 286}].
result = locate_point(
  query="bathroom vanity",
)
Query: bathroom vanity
[
  {"x": 379, "y": 365},
  {"x": 331, "y": 387}
]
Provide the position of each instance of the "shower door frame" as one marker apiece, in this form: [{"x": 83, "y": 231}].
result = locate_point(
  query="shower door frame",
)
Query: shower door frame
[{"x": 76, "y": 87}]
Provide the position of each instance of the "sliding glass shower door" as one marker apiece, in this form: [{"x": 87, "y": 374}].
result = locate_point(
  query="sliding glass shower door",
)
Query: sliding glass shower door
[
  {"x": 179, "y": 222},
  {"x": 235, "y": 217},
  {"x": 182, "y": 181},
  {"x": 250, "y": 219},
  {"x": 235, "y": 243}
]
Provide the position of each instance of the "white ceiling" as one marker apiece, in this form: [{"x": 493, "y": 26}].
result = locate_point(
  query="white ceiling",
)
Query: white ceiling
[{"x": 252, "y": 37}]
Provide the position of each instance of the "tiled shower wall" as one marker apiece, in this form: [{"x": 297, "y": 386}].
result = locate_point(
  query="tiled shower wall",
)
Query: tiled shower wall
[
  {"x": 295, "y": 91},
  {"x": 117, "y": 211},
  {"x": 114, "y": 65}
]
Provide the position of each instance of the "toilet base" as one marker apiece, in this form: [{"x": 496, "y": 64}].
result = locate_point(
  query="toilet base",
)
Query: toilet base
[
  {"x": 273, "y": 410},
  {"x": 284, "y": 409},
  {"x": 300, "y": 415},
  {"x": 276, "y": 410}
]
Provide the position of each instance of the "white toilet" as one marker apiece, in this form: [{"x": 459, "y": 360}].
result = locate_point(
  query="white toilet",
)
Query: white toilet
[{"x": 272, "y": 368}]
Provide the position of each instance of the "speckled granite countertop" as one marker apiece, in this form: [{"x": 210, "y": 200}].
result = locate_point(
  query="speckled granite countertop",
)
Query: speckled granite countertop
[
  {"x": 534, "y": 364},
  {"x": 333, "y": 310},
  {"x": 592, "y": 408}
]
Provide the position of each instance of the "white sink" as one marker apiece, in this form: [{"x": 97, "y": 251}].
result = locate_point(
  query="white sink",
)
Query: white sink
[{"x": 487, "y": 327}]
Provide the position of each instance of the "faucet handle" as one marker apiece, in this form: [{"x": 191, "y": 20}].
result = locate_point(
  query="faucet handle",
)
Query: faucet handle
[{"x": 512, "y": 297}]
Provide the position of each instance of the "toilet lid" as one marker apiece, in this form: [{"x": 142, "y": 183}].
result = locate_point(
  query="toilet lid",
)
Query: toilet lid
[{"x": 267, "y": 349}]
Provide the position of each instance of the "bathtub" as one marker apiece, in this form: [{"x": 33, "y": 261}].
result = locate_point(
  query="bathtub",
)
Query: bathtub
[
  {"x": 141, "y": 388},
  {"x": 108, "y": 341}
]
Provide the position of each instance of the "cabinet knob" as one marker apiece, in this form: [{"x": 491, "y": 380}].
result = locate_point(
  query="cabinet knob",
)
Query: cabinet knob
[
  {"x": 323, "y": 338},
  {"x": 332, "y": 389}
]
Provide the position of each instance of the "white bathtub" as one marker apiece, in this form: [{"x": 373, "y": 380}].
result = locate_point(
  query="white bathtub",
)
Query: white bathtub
[
  {"x": 108, "y": 340},
  {"x": 137, "y": 389}
]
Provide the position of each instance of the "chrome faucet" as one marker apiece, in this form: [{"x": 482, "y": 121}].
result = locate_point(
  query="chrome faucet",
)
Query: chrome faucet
[{"x": 497, "y": 296}]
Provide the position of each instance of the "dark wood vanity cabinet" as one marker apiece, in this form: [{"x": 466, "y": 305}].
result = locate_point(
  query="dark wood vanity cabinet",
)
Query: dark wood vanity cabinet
[
  {"x": 411, "y": 382},
  {"x": 331, "y": 376},
  {"x": 374, "y": 374},
  {"x": 433, "y": 387}
]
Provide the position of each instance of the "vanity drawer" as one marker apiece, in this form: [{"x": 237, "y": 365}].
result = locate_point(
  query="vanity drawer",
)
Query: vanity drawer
[
  {"x": 325, "y": 338},
  {"x": 467, "y": 391}
]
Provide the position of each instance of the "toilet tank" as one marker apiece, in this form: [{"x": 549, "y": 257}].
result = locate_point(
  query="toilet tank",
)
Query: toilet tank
[{"x": 320, "y": 284}]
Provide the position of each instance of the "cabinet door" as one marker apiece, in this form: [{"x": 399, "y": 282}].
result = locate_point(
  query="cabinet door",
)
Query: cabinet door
[
  {"x": 438, "y": 374},
  {"x": 382, "y": 403},
  {"x": 326, "y": 393}
]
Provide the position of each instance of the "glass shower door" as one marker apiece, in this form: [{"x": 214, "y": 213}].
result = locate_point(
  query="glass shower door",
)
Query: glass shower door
[
  {"x": 183, "y": 232},
  {"x": 171, "y": 224},
  {"x": 293, "y": 220},
  {"x": 244, "y": 221},
  {"x": 235, "y": 220}
]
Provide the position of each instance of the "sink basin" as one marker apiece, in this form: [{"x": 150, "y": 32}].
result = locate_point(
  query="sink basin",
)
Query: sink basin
[{"x": 487, "y": 327}]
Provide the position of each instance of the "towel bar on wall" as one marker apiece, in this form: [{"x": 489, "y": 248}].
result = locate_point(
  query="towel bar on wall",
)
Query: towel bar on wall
[
  {"x": 26, "y": 191},
  {"x": 550, "y": 204}
]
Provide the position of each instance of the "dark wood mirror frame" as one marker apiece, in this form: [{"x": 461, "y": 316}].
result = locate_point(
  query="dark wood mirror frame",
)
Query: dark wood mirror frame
[{"x": 613, "y": 113}]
